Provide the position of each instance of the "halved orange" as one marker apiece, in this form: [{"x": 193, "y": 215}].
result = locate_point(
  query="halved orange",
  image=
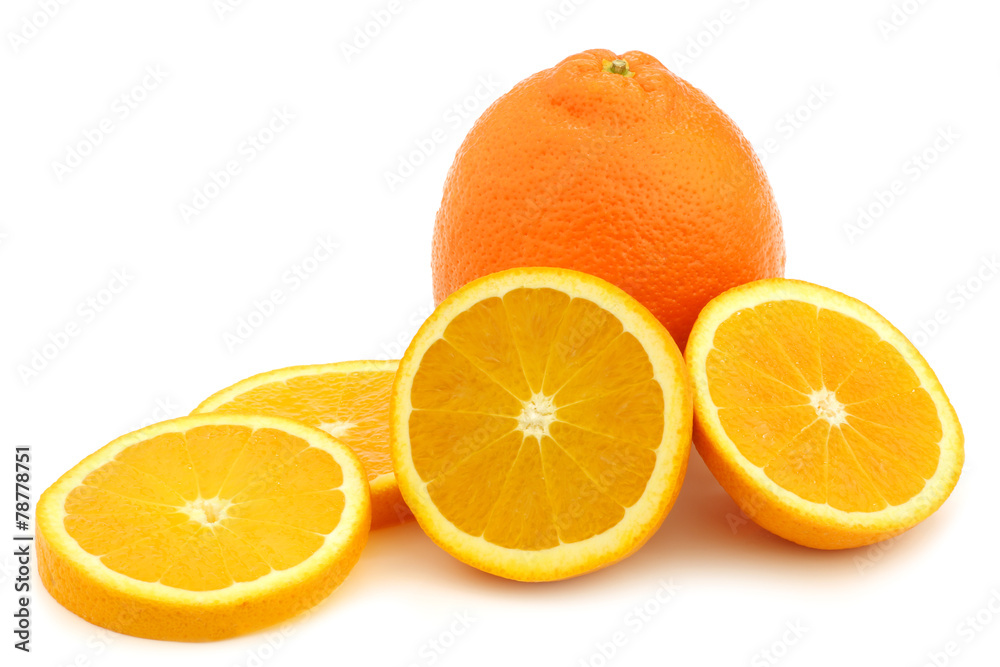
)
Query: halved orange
[
  {"x": 349, "y": 400},
  {"x": 541, "y": 424},
  {"x": 203, "y": 527},
  {"x": 820, "y": 419}
]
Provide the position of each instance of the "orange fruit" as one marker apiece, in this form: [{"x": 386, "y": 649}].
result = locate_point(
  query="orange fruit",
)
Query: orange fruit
[
  {"x": 203, "y": 527},
  {"x": 349, "y": 400},
  {"x": 541, "y": 424},
  {"x": 820, "y": 419},
  {"x": 614, "y": 166}
]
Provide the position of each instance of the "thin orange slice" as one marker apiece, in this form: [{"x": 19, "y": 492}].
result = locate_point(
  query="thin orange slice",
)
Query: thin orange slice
[
  {"x": 203, "y": 527},
  {"x": 820, "y": 419},
  {"x": 349, "y": 400},
  {"x": 541, "y": 424}
]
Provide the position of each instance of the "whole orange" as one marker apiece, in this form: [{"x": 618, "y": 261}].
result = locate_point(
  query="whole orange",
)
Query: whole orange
[{"x": 614, "y": 166}]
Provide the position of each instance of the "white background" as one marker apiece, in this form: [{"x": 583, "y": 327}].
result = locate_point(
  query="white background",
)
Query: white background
[{"x": 159, "y": 346}]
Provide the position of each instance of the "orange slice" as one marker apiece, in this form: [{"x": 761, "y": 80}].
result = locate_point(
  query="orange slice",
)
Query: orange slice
[
  {"x": 203, "y": 527},
  {"x": 541, "y": 424},
  {"x": 349, "y": 400},
  {"x": 820, "y": 419}
]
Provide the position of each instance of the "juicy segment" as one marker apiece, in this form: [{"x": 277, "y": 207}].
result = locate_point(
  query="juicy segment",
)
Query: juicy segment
[
  {"x": 209, "y": 507},
  {"x": 828, "y": 410},
  {"x": 535, "y": 420},
  {"x": 352, "y": 407}
]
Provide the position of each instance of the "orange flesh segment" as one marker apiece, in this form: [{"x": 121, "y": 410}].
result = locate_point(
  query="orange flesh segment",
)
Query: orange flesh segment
[
  {"x": 825, "y": 407},
  {"x": 353, "y": 407},
  {"x": 203, "y": 509},
  {"x": 535, "y": 419}
]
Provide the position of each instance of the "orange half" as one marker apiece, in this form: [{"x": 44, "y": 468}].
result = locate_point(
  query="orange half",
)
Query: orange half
[
  {"x": 540, "y": 424},
  {"x": 818, "y": 417}
]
